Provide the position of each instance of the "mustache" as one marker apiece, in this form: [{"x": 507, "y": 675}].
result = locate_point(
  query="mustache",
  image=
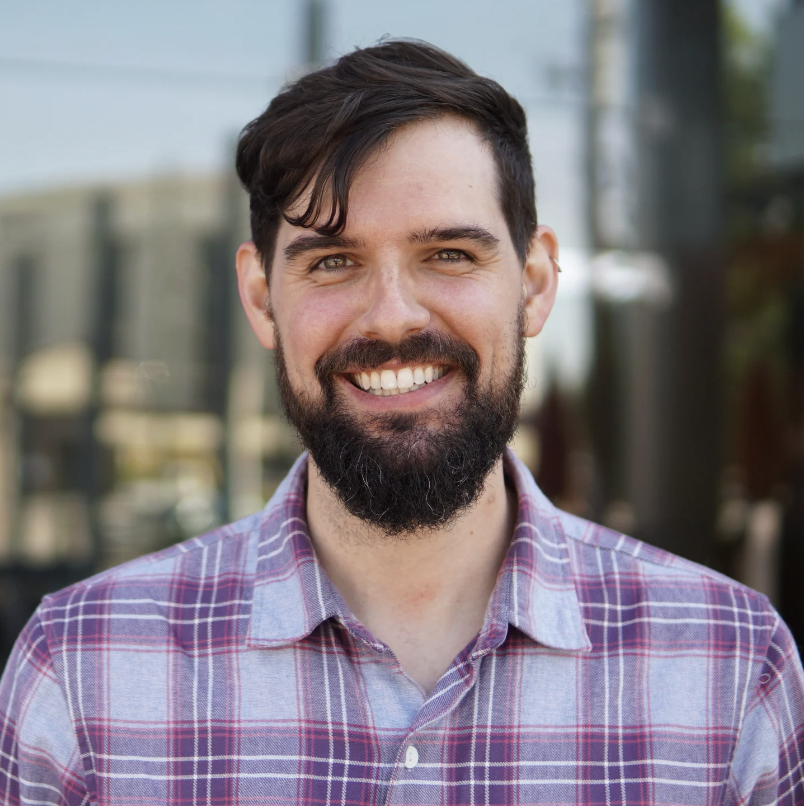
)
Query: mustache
[{"x": 429, "y": 347}]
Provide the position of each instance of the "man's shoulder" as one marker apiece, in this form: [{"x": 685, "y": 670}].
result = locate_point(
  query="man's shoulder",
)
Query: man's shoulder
[
  {"x": 605, "y": 558},
  {"x": 211, "y": 570}
]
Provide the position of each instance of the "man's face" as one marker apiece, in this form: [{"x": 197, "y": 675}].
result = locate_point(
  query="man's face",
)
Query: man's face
[{"x": 399, "y": 342}]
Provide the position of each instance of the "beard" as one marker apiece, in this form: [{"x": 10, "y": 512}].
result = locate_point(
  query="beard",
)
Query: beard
[{"x": 406, "y": 472}]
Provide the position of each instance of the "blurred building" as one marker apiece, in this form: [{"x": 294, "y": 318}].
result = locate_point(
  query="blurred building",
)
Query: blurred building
[{"x": 134, "y": 395}]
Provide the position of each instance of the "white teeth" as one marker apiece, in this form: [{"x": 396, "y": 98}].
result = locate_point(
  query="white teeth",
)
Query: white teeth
[
  {"x": 386, "y": 382},
  {"x": 404, "y": 378},
  {"x": 388, "y": 379}
]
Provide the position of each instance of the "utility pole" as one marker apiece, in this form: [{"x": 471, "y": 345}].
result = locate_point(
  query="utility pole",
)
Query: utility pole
[
  {"x": 681, "y": 191},
  {"x": 314, "y": 33}
]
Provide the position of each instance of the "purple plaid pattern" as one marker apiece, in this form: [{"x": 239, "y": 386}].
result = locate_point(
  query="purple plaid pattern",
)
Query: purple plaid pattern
[{"x": 227, "y": 670}]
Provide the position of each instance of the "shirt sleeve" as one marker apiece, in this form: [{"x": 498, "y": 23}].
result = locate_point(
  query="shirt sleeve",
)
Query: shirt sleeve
[
  {"x": 39, "y": 757},
  {"x": 768, "y": 763}
]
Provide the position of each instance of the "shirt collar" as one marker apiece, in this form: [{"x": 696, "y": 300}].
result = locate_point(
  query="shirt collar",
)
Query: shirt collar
[
  {"x": 535, "y": 590},
  {"x": 292, "y": 592}
]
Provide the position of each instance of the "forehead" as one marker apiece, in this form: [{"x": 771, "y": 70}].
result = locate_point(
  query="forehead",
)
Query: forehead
[{"x": 427, "y": 173}]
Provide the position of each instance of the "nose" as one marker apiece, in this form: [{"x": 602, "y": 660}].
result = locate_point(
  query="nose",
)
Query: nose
[{"x": 392, "y": 310}]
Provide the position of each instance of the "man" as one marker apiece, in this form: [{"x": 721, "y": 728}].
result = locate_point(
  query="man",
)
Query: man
[{"x": 409, "y": 620}]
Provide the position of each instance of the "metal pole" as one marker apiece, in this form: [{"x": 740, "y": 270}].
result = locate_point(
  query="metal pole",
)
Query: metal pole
[{"x": 681, "y": 209}]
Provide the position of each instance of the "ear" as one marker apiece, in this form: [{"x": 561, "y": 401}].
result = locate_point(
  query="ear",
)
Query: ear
[
  {"x": 540, "y": 279},
  {"x": 254, "y": 295}
]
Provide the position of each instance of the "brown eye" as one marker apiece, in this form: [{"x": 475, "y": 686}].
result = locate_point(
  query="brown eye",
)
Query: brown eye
[
  {"x": 332, "y": 263},
  {"x": 450, "y": 255}
]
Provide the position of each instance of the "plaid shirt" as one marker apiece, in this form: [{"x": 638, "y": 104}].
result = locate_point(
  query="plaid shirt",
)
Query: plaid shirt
[{"x": 227, "y": 670}]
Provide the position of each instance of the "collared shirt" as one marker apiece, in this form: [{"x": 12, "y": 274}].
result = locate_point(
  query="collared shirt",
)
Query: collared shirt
[{"x": 228, "y": 670}]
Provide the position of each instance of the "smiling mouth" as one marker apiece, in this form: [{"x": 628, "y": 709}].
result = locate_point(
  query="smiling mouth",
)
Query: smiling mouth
[{"x": 388, "y": 382}]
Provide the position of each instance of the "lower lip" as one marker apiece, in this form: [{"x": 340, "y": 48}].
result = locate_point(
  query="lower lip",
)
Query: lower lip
[{"x": 408, "y": 400}]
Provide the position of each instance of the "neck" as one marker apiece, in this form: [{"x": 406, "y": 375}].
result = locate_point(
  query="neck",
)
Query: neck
[{"x": 424, "y": 595}]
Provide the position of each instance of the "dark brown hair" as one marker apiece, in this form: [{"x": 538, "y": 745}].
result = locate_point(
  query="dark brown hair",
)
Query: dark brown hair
[{"x": 320, "y": 130}]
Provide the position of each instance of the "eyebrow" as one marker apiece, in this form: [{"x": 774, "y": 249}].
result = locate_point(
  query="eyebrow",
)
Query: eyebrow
[
  {"x": 312, "y": 243},
  {"x": 479, "y": 235}
]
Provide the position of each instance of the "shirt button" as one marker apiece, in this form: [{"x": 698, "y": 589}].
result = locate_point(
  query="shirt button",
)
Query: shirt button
[{"x": 411, "y": 757}]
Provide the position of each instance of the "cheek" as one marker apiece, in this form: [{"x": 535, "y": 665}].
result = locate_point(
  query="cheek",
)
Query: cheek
[
  {"x": 315, "y": 323},
  {"x": 483, "y": 314}
]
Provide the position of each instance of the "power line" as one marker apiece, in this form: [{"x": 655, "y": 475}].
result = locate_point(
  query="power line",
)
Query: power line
[
  {"x": 250, "y": 81},
  {"x": 225, "y": 81},
  {"x": 95, "y": 71}
]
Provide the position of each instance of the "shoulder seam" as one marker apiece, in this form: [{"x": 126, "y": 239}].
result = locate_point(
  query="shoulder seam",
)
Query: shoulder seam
[{"x": 697, "y": 568}]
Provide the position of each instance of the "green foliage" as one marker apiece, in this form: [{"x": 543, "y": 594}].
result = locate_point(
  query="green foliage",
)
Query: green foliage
[{"x": 746, "y": 67}]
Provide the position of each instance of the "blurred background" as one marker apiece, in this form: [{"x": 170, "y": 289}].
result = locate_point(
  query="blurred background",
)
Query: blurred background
[{"x": 665, "y": 396}]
